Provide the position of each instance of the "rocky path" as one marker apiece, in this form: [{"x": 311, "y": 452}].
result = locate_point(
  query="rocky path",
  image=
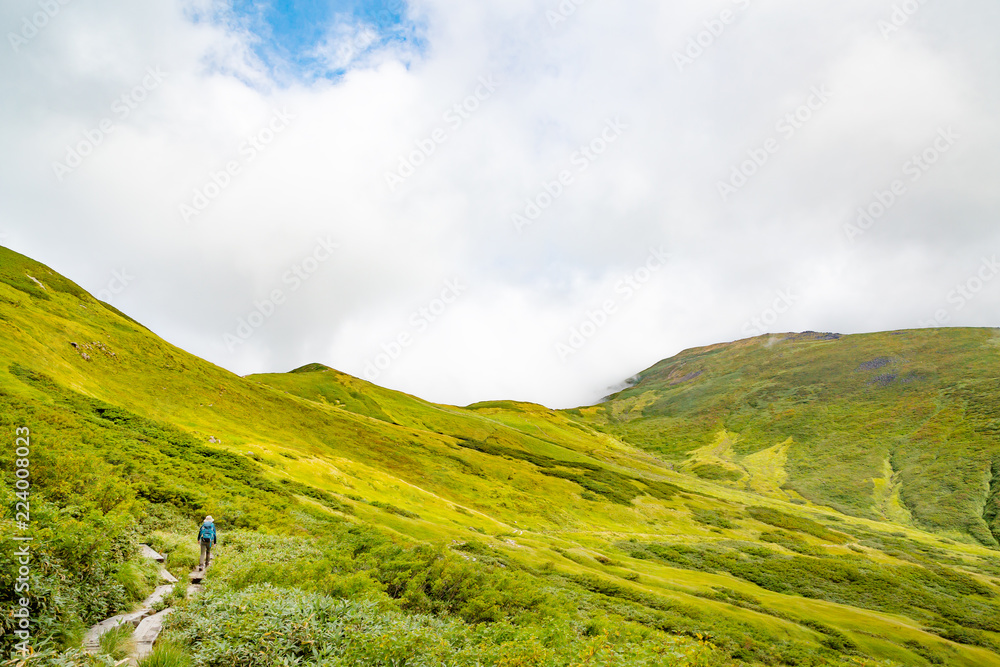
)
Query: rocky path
[
  {"x": 147, "y": 622},
  {"x": 145, "y": 635}
]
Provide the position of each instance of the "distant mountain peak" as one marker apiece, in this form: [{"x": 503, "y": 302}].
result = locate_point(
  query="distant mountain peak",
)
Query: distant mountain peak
[{"x": 311, "y": 368}]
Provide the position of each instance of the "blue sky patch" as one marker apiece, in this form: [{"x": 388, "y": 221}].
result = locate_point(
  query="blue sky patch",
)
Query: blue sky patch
[{"x": 310, "y": 39}]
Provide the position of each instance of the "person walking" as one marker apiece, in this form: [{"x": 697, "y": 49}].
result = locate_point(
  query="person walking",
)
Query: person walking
[{"x": 206, "y": 537}]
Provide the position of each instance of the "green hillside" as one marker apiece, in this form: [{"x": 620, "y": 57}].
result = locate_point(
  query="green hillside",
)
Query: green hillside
[
  {"x": 901, "y": 426},
  {"x": 679, "y": 523}
]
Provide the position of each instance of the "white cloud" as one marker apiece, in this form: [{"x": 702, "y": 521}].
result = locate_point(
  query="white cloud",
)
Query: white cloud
[{"x": 324, "y": 174}]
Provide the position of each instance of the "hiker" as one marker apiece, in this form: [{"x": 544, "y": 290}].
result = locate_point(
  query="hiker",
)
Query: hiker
[{"x": 206, "y": 537}]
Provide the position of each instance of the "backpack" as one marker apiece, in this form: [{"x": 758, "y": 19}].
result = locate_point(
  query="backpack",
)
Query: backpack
[{"x": 207, "y": 531}]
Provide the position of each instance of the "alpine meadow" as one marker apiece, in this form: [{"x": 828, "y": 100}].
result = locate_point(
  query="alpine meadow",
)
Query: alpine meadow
[{"x": 798, "y": 499}]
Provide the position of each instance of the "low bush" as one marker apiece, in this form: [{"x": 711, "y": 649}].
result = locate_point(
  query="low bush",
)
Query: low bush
[
  {"x": 795, "y": 523},
  {"x": 964, "y": 605},
  {"x": 711, "y": 518},
  {"x": 263, "y": 625}
]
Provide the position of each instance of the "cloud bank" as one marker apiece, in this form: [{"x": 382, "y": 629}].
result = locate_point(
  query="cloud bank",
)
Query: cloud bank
[{"x": 529, "y": 200}]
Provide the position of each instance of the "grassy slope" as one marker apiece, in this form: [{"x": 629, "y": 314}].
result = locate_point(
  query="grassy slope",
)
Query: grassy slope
[
  {"x": 902, "y": 426},
  {"x": 553, "y": 491}
]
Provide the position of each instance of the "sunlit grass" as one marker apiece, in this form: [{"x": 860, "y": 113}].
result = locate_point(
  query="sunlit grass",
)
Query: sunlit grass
[{"x": 507, "y": 513}]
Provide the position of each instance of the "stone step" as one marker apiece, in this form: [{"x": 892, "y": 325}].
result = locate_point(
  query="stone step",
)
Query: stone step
[
  {"x": 92, "y": 640},
  {"x": 157, "y": 596},
  {"x": 145, "y": 635},
  {"x": 147, "y": 552},
  {"x": 147, "y": 624}
]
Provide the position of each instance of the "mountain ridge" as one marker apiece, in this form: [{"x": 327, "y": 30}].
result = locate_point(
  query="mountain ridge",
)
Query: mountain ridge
[{"x": 915, "y": 385}]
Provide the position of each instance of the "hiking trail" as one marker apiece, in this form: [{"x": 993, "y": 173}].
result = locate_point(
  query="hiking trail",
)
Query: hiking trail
[{"x": 148, "y": 623}]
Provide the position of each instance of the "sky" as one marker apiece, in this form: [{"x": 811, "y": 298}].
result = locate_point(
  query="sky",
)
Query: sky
[{"x": 520, "y": 199}]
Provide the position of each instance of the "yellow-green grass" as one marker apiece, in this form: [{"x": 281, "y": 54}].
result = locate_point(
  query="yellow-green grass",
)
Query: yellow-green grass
[
  {"x": 926, "y": 401},
  {"x": 412, "y": 469}
]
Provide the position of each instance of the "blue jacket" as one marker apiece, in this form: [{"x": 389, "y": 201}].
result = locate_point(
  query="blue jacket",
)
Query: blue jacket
[{"x": 207, "y": 531}]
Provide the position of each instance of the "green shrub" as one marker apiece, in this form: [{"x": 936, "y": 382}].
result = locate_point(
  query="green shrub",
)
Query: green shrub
[
  {"x": 715, "y": 472},
  {"x": 225, "y": 628},
  {"x": 964, "y": 605},
  {"x": 791, "y": 542},
  {"x": 180, "y": 550},
  {"x": 392, "y": 509},
  {"x": 789, "y": 522},
  {"x": 711, "y": 518}
]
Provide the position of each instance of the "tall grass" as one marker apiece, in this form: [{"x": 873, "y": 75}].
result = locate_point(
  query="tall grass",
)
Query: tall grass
[
  {"x": 119, "y": 641},
  {"x": 168, "y": 653}
]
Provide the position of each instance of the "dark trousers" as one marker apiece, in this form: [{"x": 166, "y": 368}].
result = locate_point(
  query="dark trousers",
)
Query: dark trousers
[{"x": 206, "y": 553}]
